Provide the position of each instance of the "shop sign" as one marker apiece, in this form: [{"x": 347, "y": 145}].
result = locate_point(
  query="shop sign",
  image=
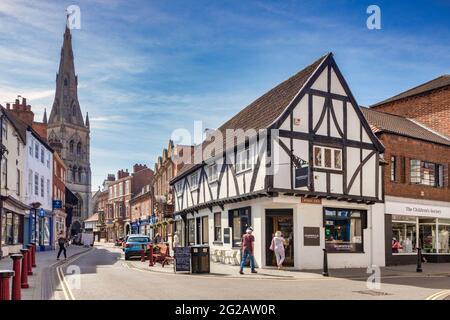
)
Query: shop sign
[
  {"x": 421, "y": 210},
  {"x": 311, "y": 200},
  {"x": 57, "y": 204},
  {"x": 302, "y": 177},
  {"x": 311, "y": 236}
]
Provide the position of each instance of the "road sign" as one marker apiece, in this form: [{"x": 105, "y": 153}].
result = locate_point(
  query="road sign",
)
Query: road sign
[{"x": 57, "y": 204}]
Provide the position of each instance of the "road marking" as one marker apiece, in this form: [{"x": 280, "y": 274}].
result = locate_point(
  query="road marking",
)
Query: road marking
[
  {"x": 439, "y": 295},
  {"x": 68, "y": 295}
]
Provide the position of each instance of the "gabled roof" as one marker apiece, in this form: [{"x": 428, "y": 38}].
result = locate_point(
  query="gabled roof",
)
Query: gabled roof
[
  {"x": 19, "y": 125},
  {"x": 389, "y": 123},
  {"x": 437, "y": 83},
  {"x": 92, "y": 218},
  {"x": 264, "y": 111}
]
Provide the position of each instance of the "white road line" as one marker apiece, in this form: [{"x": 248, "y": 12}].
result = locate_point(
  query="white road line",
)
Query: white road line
[{"x": 439, "y": 295}]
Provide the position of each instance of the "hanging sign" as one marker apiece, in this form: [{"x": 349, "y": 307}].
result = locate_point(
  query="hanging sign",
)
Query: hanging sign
[{"x": 301, "y": 177}]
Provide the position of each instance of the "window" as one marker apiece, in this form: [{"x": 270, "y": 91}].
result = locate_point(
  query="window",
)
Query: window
[
  {"x": 212, "y": 173},
  {"x": 127, "y": 187},
  {"x": 79, "y": 148},
  {"x": 427, "y": 173},
  {"x": 218, "y": 226},
  {"x": 30, "y": 182},
  {"x": 36, "y": 184},
  {"x": 42, "y": 186},
  {"x": 36, "y": 150},
  {"x": 42, "y": 155},
  {"x": 205, "y": 230},
  {"x": 239, "y": 221},
  {"x": 71, "y": 146},
  {"x": 48, "y": 160},
  {"x": 12, "y": 227},
  {"x": 328, "y": 158},
  {"x": 18, "y": 146},
  {"x": 344, "y": 230},
  {"x": 404, "y": 234},
  {"x": 121, "y": 189},
  {"x": 179, "y": 187},
  {"x": 393, "y": 168},
  {"x": 191, "y": 232},
  {"x": 30, "y": 148},
  {"x": 4, "y": 128},
  {"x": 18, "y": 183},
  {"x": 243, "y": 160},
  {"x": 4, "y": 167},
  {"x": 194, "y": 181},
  {"x": 48, "y": 189}
]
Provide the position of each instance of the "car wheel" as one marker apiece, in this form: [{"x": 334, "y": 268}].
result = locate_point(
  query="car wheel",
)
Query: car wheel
[{"x": 127, "y": 257}]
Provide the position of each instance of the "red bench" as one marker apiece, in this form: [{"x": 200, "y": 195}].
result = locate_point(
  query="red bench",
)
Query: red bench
[{"x": 163, "y": 256}]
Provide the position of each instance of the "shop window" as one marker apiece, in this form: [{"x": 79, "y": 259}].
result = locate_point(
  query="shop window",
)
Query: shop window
[
  {"x": 344, "y": 230},
  {"x": 3, "y": 225},
  {"x": 444, "y": 239},
  {"x": 393, "y": 168},
  {"x": 404, "y": 234},
  {"x": 191, "y": 232},
  {"x": 427, "y": 235},
  {"x": 239, "y": 220},
  {"x": 427, "y": 173},
  {"x": 218, "y": 226},
  {"x": 327, "y": 158},
  {"x": 12, "y": 225}
]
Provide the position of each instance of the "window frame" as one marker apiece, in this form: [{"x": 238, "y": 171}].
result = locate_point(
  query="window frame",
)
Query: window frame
[
  {"x": 217, "y": 226},
  {"x": 393, "y": 169},
  {"x": 212, "y": 176},
  {"x": 323, "y": 150},
  {"x": 191, "y": 179}
]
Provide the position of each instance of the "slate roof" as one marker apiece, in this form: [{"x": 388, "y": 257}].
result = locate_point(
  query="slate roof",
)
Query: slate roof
[
  {"x": 437, "y": 83},
  {"x": 385, "y": 122}
]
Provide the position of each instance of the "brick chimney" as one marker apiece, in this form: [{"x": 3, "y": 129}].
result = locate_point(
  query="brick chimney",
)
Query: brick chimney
[
  {"x": 122, "y": 174},
  {"x": 23, "y": 111},
  {"x": 139, "y": 167}
]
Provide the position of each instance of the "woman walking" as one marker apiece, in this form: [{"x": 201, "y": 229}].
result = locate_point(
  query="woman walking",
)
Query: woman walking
[
  {"x": 62, "y": 245},
  {"x": 277, "y": 246}
]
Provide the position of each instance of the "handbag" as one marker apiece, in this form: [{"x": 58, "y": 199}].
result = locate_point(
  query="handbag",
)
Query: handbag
[{"x": 272, "y": 246}]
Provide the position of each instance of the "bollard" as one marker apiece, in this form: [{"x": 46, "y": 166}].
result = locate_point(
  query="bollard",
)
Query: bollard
[
  {"x": 150, "y": 256},
  {"x": 5, "y": 275},
  {"x": 419, "y": 260},
  {"x": 24, "y": 273},
  {"x": 33, "y": 256},
  {"x": 16, "y": 282},
  {"x": 143, "y": 253},
  {"x": 325, "y": 263},
  {"x": 30, "y": 258}
]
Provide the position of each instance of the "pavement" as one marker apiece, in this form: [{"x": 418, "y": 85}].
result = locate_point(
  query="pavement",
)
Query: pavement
[
  {"x": 42, "y": 281},
  {"x": 104, "y": 274}
]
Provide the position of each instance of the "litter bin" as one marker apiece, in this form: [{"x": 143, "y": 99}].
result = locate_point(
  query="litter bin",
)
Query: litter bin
[{"x": 200, "y": 259}]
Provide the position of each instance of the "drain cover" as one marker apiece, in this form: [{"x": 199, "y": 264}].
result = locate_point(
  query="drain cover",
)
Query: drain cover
[{"x": 373, "y": 293}]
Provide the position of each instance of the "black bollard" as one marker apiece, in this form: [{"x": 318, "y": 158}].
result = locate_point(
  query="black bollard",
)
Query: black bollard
[
  {"x": 419, "y": 260},
  {"x": 325, "y": 263}
]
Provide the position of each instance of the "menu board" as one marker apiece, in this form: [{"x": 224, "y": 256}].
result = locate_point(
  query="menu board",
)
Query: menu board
[{"x": 182, "y": 259}]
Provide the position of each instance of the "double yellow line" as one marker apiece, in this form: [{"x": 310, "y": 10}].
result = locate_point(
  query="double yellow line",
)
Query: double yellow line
[
  {"x": 439, "y": 295},
  {"x": 68, "y": 295}
]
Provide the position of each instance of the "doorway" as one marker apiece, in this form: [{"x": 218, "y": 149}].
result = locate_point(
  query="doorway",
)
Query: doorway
[{"x": 280, "y": 220}]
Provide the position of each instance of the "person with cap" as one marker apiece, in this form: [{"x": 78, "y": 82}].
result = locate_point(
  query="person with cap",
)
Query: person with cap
[{"x": 247, "y": 245}]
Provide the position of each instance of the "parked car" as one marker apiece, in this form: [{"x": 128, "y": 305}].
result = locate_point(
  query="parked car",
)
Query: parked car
[{"x": 133, "y": 245}]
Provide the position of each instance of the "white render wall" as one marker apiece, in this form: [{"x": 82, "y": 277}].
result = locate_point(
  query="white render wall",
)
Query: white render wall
[{"x": 36, "y": 166}]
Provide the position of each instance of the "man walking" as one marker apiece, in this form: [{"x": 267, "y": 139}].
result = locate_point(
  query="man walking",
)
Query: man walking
[{"x": 247, "y": 245}]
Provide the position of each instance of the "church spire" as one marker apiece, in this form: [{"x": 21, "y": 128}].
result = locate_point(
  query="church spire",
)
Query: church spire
[
  {"x": 87, "y": 120},
  {"x": 44, "y": 120},
  {"x": 66, "y": 108}
]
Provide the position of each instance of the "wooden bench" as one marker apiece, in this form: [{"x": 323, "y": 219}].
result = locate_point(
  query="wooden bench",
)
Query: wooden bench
[{"x": 163, "y": 255}]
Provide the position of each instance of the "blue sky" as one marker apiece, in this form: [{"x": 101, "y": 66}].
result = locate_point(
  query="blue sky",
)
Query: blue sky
[{"x": 148, "y": 67}]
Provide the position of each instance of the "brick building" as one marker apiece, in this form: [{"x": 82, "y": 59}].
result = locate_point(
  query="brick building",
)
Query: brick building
[
  {"x": 167, "y": 166},
  {"x": 141, "y": 210},
  {"x": 416, "y": 188},
  {"x": 120, "y": 192},
  {"x": 428, "y": 103}
]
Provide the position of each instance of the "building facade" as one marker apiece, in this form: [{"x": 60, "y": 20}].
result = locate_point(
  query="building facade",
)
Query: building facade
[
  {"x": 141, "y": 212},
  {"x": 69, "y": 134},
  {"x": 13, "y": 209},
  {"x": 59, "y": 195},
  {"x": 301, "y": 159}
]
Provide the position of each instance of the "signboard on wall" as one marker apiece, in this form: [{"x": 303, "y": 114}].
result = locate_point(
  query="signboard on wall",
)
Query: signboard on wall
[
  {"x": 416, "y": 209},
  {"x": 227, "y": 235},
  {"x": 302, "y": 177},
  {"x": 311, "y": 236},
  {"x": 311, "y": 200}
]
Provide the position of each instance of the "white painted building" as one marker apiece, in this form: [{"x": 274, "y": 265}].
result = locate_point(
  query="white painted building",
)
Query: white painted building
[{"x": 315, "y": 176}]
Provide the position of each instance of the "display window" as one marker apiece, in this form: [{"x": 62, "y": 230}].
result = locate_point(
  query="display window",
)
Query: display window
[
  {"x": 404, "y": 234},
  {"x": 12, "y": 225},
  {"x": 443, "y": 234},
  {"x": 344, "y": 230}
]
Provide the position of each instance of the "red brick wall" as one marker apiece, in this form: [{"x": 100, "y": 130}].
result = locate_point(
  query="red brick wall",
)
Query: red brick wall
[
  {"x": 407, "y": 149},
  {"x": 431, "y": 109}
]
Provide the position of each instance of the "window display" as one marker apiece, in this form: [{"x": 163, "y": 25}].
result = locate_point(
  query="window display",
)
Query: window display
[
  {"x": 427, "y": 235},
  {"x": 344, "y": 230},
  {"x": 404, "y": 234},
  {"x": 444, "y": 239}
]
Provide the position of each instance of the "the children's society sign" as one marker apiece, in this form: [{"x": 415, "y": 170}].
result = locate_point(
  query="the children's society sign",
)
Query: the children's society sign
[{"x": 412, "y": 209}]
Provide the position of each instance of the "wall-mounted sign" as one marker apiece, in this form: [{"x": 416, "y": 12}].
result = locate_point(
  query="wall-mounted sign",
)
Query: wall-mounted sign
[
  {"x": 57, "y": 204},
  {"x": 227, "y": 235},
  {"x": 311, "y": 236},
  {"x": 302, "y": 177},
  {"x": 311, "y": 200},
  {"x": 413, "y": 209}
]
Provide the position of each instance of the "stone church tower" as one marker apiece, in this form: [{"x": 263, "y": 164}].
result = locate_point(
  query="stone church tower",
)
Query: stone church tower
[{"x": 68, "y": 133}]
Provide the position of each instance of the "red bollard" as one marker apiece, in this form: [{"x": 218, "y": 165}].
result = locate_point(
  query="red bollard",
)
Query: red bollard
[
  {"x": 30, "y": 259},
  {"x": 150, "y": 256},
  {"x": 24, "y": 273},
  {"x": 143, "y": 253},
  {"x": 4, "y": 284},
  {"x": 16, "y": 282},
  {"x": 33, "y": 257}
]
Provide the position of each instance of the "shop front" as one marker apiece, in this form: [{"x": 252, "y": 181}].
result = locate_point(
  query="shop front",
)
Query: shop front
[
  {"x": 412, "y": 224},
  {"x": 41, "y": 224}
]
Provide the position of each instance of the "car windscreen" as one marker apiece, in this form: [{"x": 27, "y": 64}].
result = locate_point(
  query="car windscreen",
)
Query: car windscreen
[{"x": 138, "y": 239}]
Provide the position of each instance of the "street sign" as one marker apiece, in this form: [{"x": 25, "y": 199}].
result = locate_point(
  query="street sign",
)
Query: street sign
[
  {"x": 57, "y": 204},
  {"x": 302, "y": 177},
  {"x": 182, "y": 259}
]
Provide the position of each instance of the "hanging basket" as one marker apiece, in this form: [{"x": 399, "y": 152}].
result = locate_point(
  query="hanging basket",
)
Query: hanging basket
[{"x": 171, "y": 221}]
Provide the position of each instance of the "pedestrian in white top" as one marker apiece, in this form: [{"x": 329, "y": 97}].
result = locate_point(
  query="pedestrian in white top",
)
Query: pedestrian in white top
[{"x": 277, "y": 246}]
